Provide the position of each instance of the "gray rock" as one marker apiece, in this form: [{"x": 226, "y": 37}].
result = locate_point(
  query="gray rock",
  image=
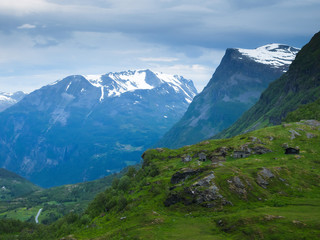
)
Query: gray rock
[
  {"x": 313, "y": 123},
  {"x": 263, "y": 176},
  {"x": 260, "y": 150},
  {"x": 206, "y": 181},
  {"x": 270, "y": 138},
  {"x": 266, "y": 173},
  {"x": 187, "y": 158},
  {"x": 255, "y": 140},
  {"x": 184, "y": 174},
  {"x": 285, "y": 145},
  {"x": 238, "y": 183},
  {"x": 294, "y": 134},
  {"x": 310, "y": 135},
  {"x": 262, "y": 182}
]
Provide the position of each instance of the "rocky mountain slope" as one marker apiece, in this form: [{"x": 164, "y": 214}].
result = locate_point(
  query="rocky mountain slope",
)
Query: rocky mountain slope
[
  {"x": 300, "y": 85},
  {"x": 8, "y": 99},
  {"x": 234, "y": 87},
  {"x": 85, "y": 127}
]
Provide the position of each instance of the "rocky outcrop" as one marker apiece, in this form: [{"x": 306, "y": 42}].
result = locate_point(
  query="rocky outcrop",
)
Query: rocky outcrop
[
  {"x": 263, "y": 177},
  {"x": 184, "y": 174},
  {"x": 294, "y": 134},
  {"x": 203, "y": 192},
  {"x": 236, "y": 185}
]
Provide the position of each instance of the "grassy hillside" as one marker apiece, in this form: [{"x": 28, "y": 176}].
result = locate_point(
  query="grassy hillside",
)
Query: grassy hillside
[
  {"x": 307, "y": 111},
  {"x": 300, "y": 85},
  {"x": 208, "y": 191},
  {"x": 13, "y": 185}
]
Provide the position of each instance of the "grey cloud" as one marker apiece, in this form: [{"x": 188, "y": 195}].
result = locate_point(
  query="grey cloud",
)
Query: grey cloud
[
  {"x": 97, "y": 34},
  {"x": 204, "y": 23}
]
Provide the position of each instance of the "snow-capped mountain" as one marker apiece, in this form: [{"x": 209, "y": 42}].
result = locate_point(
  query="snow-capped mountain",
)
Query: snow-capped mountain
[
  {"x": 114, "y": 84},
  {"x": 234, "y": 87},
  {"x": 83, "y": 127},
  {"x": 276, "y": 55},
  {"x": 8, "y": 99}
]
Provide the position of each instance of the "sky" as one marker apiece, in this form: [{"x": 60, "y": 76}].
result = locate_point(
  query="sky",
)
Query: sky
[{"x": 42, "y": 41}]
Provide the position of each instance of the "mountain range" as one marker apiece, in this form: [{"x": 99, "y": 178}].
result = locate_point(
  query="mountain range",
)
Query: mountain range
[
  {"x": 234, "y": 87},
  {"x": 85, "y": 127}
]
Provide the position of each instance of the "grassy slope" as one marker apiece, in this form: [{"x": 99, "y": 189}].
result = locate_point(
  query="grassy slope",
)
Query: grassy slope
[
  {"x": 56, "y": 202},
  {"x": 300, "y": 85},
  {"x": 288, "y": 208},
  {"x": 307, "y": 111},
  {"x": 13, "y": 185}
]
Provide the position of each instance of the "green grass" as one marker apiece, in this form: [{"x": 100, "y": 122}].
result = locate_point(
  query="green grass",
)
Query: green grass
[{"x": 133, "y": 208}]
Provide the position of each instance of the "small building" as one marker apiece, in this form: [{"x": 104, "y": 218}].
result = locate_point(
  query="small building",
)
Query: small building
[
  {"x": 241, "y": 154},
  {"x": 202, "y": 157},
  {"x": 291, "y": 150}
]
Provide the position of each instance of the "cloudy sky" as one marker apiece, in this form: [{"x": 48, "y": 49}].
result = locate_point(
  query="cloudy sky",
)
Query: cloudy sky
[{"x": 45, "y": 40}]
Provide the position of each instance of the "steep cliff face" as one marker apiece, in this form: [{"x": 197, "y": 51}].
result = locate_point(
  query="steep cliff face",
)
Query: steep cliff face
[
  {"x": 300, "y": 85},
  {"x": 234, "y": 87},
  {"x": 85, "y": 127}
]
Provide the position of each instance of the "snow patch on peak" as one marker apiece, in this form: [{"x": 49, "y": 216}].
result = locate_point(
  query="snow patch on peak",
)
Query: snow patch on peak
[
  {"x": 115, "y": 84},
  {"x": 8, "y": 99},
  {"x": 274, "y": 54}
]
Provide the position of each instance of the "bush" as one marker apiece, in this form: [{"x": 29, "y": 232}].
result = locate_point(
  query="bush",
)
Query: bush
[{"x": 124, "y": 183}]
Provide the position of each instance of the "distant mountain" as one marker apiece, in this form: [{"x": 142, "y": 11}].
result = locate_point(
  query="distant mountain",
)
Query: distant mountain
[
  {"x": 299, "y": 86},
  {"x": 8, "y": 99},
  {"x": 13, "y": 185},
  {"x": 84, "y": 127},
  {"x": 234, "y": 87}
]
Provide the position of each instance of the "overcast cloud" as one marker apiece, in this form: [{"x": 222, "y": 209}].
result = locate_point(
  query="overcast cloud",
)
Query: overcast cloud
[{"x": 45, "y": 40}]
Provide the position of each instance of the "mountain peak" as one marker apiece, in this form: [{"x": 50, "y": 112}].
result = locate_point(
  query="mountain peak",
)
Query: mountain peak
[
  {"x": 8, "y": 99},
  {"x": 275, "y": 54}
]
